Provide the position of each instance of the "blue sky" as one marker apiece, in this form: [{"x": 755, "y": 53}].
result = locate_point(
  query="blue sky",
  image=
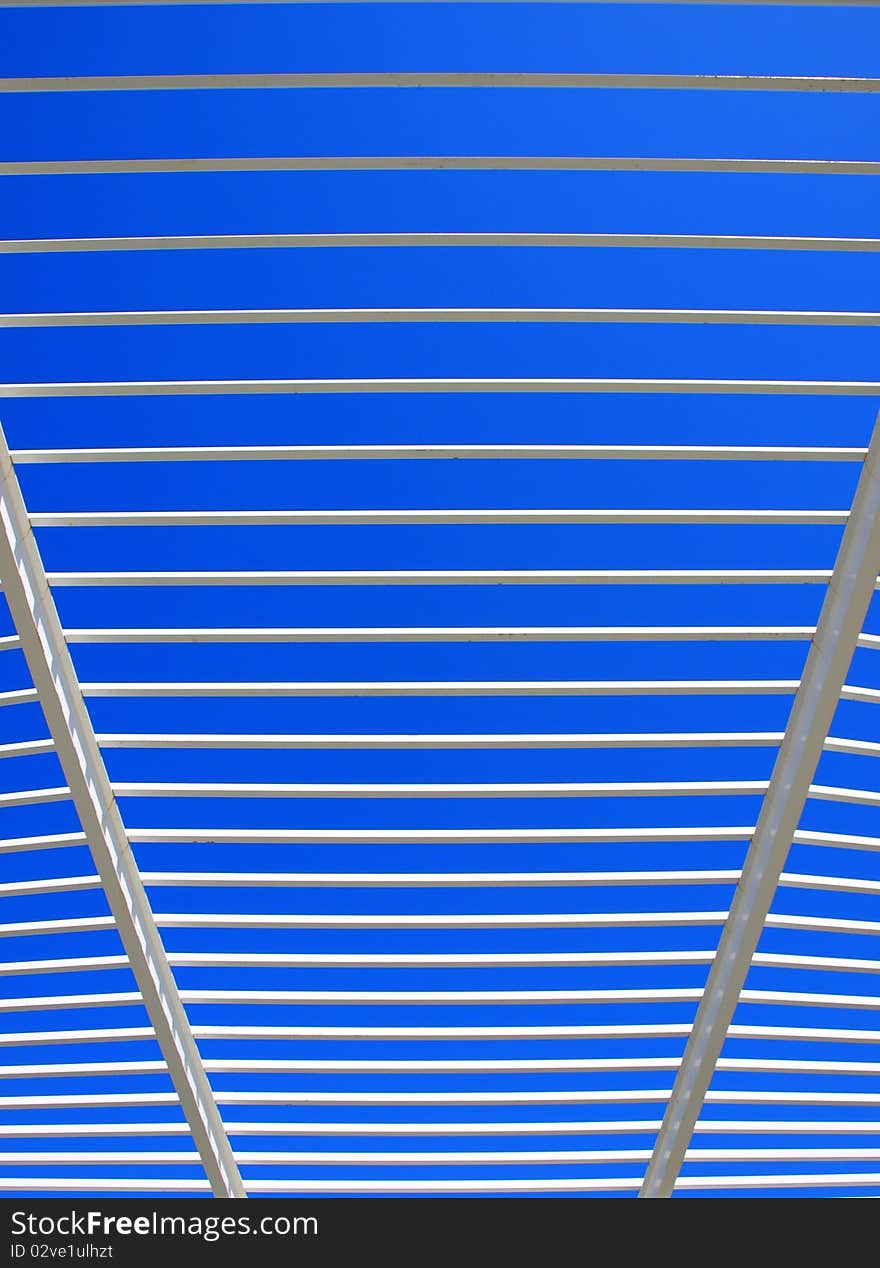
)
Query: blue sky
[{"x": 662, "y": 39}]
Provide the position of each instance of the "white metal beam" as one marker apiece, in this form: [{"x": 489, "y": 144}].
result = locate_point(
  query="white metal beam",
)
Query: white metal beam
[
  {"x": 834, "y": 884},
  {"x": 23, "y": 695},
  {"x": 441, "y": 163},
  {"x": 443, "y": 386},
  {"x": 379, "y": 880},
  {"x": 430, "y": 1158},
  {"x": 455, "y": 960},
  {"x": 286, "y": 1066},
  {"x": 841, "y": 619},
  {"x": 33, "y": 797},
  {"x": 124, "y": 1034},
  {"x": 538, "y": 1065},
  {"x": 267, "y": 241},
  {"x": 264, "y": 998},
  {"x": 671, "y": 1030},
  {"x": 460, "y": 960},
  {"x": 456, "y": 577},
  {"x": 293, "y": 1099},
  {"x": 447, "y": 634},
  {"x": 540, "y": 920},
  {"x": 556, "y": 1127},
  {"x": 27, "y": 748},
  {"x": 734, "y": 788},
  {"x": 437, "y": 79},
  {"x": 189, "y": 519},
  {"x": 53, "y": 885},
  {"x": 434, "y": 836},
  {"x": 292, "y": 1187},
  {"x": 853, "y": 796},
  {"x": 52, "y": 841},
  {"x": 36, "y": 619},
  {"x": 560, "y": 687},
  {"x": 431, "y": 920},
  {"x": 32, "y": 1131},
  {"x": 417, "y": 880},
  {"x": 647, "y": 739},
  {"x": 837, "y": 840},
  {"x": 409, "y": 316},
  {"x": 385, "y": 453}
]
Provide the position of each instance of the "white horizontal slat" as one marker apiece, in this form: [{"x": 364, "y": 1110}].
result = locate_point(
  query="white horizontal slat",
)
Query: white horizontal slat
[
  {"x": 78, "y": 924},
  {"x": 563, "y": 687},
  {"x": 52, "y": 841},
  {"x": 516, "y": 515},
  {"x": 863, "y": 695},
  {"x": 430, "y": 1158},
  {"x": 392, "y": 880},
  {"x": 667, "y": 1030},
  {"x": 707, "y": 788},
  {"x": 853, "y": 796},
  {"x": 117, "y": 999},
  {"x": 529, "y": 1066},
  {"x": 127, "y": 1034},
  {"x": 810, "y": 999},
  {"x": 554, "y": 920},
  {"x": 359, "y": 387},
  {"x": 858, "y": 748},
  {"x": 49, "y": 1003},
  {"x": 336, "y": 1066},
  {"x": 514, "y": 959},
  {"x": 54, "y": 885},
  {"x": 384, "y": 453},
  {"x": 822, "y": 924},
  {"x": 837, "y": 840},
  {"x": 33, "y": 797},
  {"x": 410, "y": 316},
  {"x": 470, "y": 577},
  {"x": 289, "y": 1099},
  {"x": 448, "y": 634},
  {"x": 435, "y": 1158},
  {"x": 430, "y": 836},
  {"x": 112, "y": 1184},
  {"x": 834, "y": 884},
  {"x": 26, "y": 748},
  {"x": 612, "y": 1096},
  {"x": 441, "y": 163},
  {"x": 37, "y": 1131},
  {"x": 237, "y": 959},
  {"x": 555, "y": 1127},
  {"x": 650, "y": 739},
  {"x": 829, "y": 964},
  {"x": 107, "y": 1034},
  {"x": 437, "y": 79}
]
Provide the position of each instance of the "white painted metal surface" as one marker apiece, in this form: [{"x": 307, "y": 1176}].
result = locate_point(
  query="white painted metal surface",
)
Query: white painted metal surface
[
  {"x": 843, "y": 614},
  {"x": 30, "y": 602}
]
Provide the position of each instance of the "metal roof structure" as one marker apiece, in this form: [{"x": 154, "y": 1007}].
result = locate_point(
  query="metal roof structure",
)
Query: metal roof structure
[{"x": 457, "y": 773}]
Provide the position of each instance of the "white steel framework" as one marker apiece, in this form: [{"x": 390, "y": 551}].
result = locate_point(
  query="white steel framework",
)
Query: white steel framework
[{"x": 217, "y": 926}]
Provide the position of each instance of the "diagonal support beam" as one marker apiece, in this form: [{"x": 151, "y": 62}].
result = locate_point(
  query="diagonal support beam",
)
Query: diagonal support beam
[
  {"x": 36, "y": 620},
  {"x": 843, "y": 613}
]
